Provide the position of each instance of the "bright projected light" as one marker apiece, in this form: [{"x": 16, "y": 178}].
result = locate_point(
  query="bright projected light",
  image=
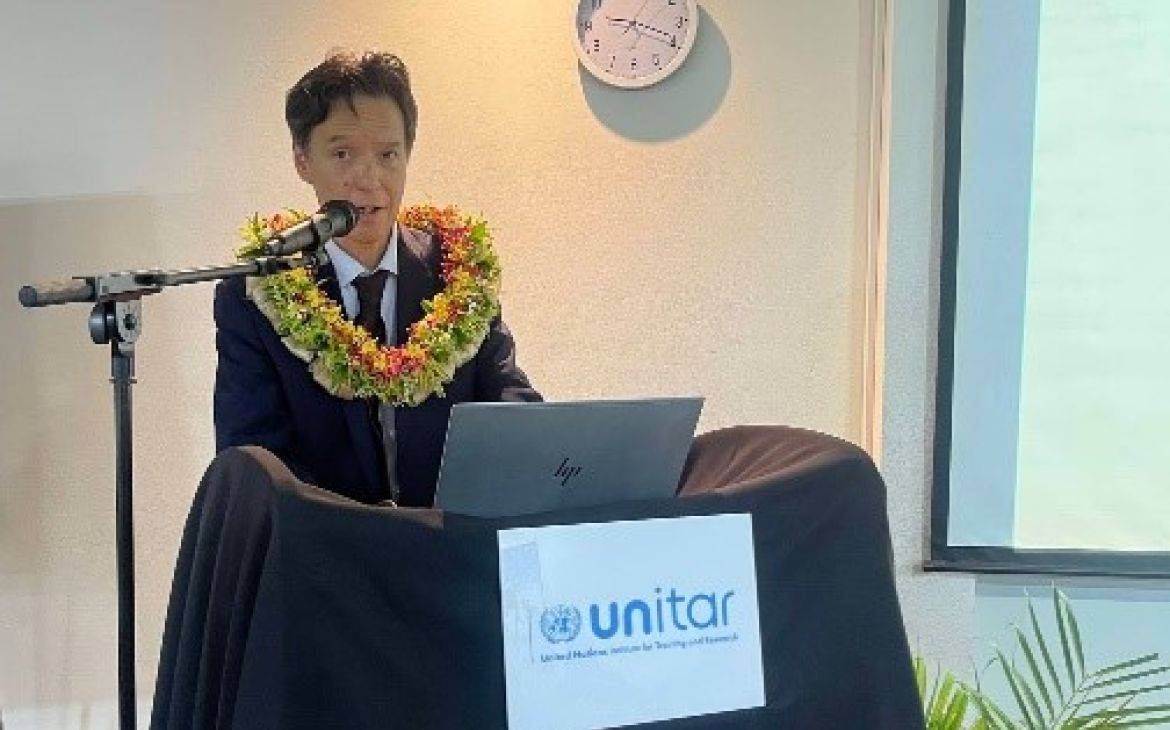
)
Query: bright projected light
[{"x": 1055, "y": 430}]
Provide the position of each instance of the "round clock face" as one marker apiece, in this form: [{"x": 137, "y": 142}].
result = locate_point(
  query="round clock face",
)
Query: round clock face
[{"x": 634, "y": 43}]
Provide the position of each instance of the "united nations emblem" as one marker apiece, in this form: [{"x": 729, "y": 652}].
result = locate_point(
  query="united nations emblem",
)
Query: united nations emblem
[{"x": 560, "y": 623}]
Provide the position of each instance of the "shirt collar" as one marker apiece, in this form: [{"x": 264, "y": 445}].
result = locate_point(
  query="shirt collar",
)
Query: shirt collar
[{"x": 348, "y": 268}]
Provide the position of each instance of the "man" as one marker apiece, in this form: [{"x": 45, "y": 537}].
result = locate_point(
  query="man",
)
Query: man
[{"x": 353, "y": 122}]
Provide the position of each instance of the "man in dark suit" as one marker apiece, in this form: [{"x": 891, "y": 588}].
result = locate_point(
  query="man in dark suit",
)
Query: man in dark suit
[{"x": 353, "y": 122}]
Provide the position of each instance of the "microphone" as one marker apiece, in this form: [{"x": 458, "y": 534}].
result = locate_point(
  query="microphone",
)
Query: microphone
[{"x": 336, "y": 218}]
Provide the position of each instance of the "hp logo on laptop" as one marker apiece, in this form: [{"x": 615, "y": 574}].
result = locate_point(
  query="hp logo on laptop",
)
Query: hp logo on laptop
[
  {"x": 565, "y": 472},
  {"x": 560, "y": 623}
]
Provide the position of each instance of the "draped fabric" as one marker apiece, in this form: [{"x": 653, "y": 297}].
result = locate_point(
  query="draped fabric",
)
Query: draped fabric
[{"x": 296, "y": 608}]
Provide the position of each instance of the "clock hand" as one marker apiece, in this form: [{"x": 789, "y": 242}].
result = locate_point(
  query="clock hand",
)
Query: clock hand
[
  {"x": 635, "y": 25},
  {"x": 655, "y": 30},
  {"x": 629, "y": 24}
]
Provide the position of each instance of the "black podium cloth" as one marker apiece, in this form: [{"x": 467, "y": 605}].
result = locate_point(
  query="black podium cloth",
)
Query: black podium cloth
[{"x": 295, "y": 608}]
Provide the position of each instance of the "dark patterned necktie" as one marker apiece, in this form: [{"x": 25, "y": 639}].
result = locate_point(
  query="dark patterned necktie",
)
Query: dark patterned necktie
[{"x": 370, "y": 288}]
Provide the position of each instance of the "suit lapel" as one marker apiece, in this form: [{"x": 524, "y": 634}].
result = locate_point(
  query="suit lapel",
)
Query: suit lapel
[
  {"x": 357, "y": 415},
  {"x": 416, "y": 279},
  {"x": 327, "y": 281}
]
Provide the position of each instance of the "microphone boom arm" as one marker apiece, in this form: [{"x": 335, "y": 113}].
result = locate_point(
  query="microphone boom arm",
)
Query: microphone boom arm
[{"x": 127, "y": 285}]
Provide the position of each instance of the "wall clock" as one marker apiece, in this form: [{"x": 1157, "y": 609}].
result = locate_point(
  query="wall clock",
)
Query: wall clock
[{"x": 634, "y": 43}]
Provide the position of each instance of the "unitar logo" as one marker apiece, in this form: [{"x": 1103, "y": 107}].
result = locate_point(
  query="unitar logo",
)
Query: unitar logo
[
  {"x": 673, "y": 611},
  {"x": 560, "y": 623}
]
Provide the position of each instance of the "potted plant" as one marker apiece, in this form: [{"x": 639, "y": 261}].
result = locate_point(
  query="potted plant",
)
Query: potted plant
[{"x": 1050, "y": 686}]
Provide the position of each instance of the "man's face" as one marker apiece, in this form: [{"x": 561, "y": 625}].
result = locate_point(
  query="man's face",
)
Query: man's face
[{"x": 359, "y": 155}]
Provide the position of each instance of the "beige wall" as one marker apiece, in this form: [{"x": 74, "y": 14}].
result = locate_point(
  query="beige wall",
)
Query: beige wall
[{"x": 704, "y": 236}]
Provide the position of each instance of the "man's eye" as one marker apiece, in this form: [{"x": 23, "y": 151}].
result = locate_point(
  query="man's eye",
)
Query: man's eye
[
  {"x": 390, "y": 155},
  {"x": 341, "y": 154}
]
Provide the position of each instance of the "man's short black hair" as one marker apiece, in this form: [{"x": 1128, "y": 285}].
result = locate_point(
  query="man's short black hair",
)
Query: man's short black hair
[{"x": 342, "y": 76}]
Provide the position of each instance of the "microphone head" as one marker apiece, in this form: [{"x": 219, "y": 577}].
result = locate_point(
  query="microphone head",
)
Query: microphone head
[
  {"x": 28, "y": 296},
  {"x": 343, "y": 216}
]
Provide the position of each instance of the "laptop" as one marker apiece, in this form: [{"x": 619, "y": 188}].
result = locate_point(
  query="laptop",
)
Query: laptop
[{"x": 506, "y": 459}]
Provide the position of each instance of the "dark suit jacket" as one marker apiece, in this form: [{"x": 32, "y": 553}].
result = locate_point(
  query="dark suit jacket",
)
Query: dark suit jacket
[{"x": 266, "y": 396}]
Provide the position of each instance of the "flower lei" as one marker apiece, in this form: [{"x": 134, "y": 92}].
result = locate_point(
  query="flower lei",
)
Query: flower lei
[{"x": 342, "y": 356}]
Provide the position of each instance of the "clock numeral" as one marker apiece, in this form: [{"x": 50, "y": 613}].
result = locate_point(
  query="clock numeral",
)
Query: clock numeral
[
  {"x": 588, "y": 26},
  {"x": 678, "y": 23},
  {"x": 633, "y": 63},
  {"x": 597, "y": 45},
  {"x": 674, "y": 41},
  {"x": 612, "y": 60},
  {"x": 657, "y": 59}
]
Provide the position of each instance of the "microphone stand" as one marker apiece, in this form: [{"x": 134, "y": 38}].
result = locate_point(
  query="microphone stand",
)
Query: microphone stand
[{"x": 116, "y": 320}]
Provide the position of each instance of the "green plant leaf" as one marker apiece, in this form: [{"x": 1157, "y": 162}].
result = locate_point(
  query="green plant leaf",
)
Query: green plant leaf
[
  {"x": 1075, "y": 631},
  {"x": 1129, "y": 711},
  {"x": 1047, "y": 656},
  {"x": 1121, "y": 718},
  {"x": 1131, "y": 717},
  {"x": 1163, "y": 721},
  {"x": 1029, "y": 710},
  {"x": 1065, "y": 645},
  {"x": 1121, "y": 666},
  {"x": 940, "y": 709},
  {"x": 1126, "y": 678},
  {"x": 1128, "y": 693},
  {"x": 945, "y": 700},
  {"x": 956, "y": 711},
  {"x": 1038, "y": 678},
  {"x": 990, "y": 713}
]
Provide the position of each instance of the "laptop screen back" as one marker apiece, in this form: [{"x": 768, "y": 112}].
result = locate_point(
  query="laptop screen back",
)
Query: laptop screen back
[{"x": 504, "y": 459}]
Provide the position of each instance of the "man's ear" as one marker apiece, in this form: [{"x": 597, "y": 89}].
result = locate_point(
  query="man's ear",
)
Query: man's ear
[{"x": 301, "y": 162}]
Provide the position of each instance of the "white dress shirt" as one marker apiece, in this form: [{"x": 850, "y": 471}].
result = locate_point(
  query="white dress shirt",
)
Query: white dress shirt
[{"x": 347, "y": 269}]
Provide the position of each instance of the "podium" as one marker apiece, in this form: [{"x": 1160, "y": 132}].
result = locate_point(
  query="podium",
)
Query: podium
[{"x": 293, "y": 607}]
